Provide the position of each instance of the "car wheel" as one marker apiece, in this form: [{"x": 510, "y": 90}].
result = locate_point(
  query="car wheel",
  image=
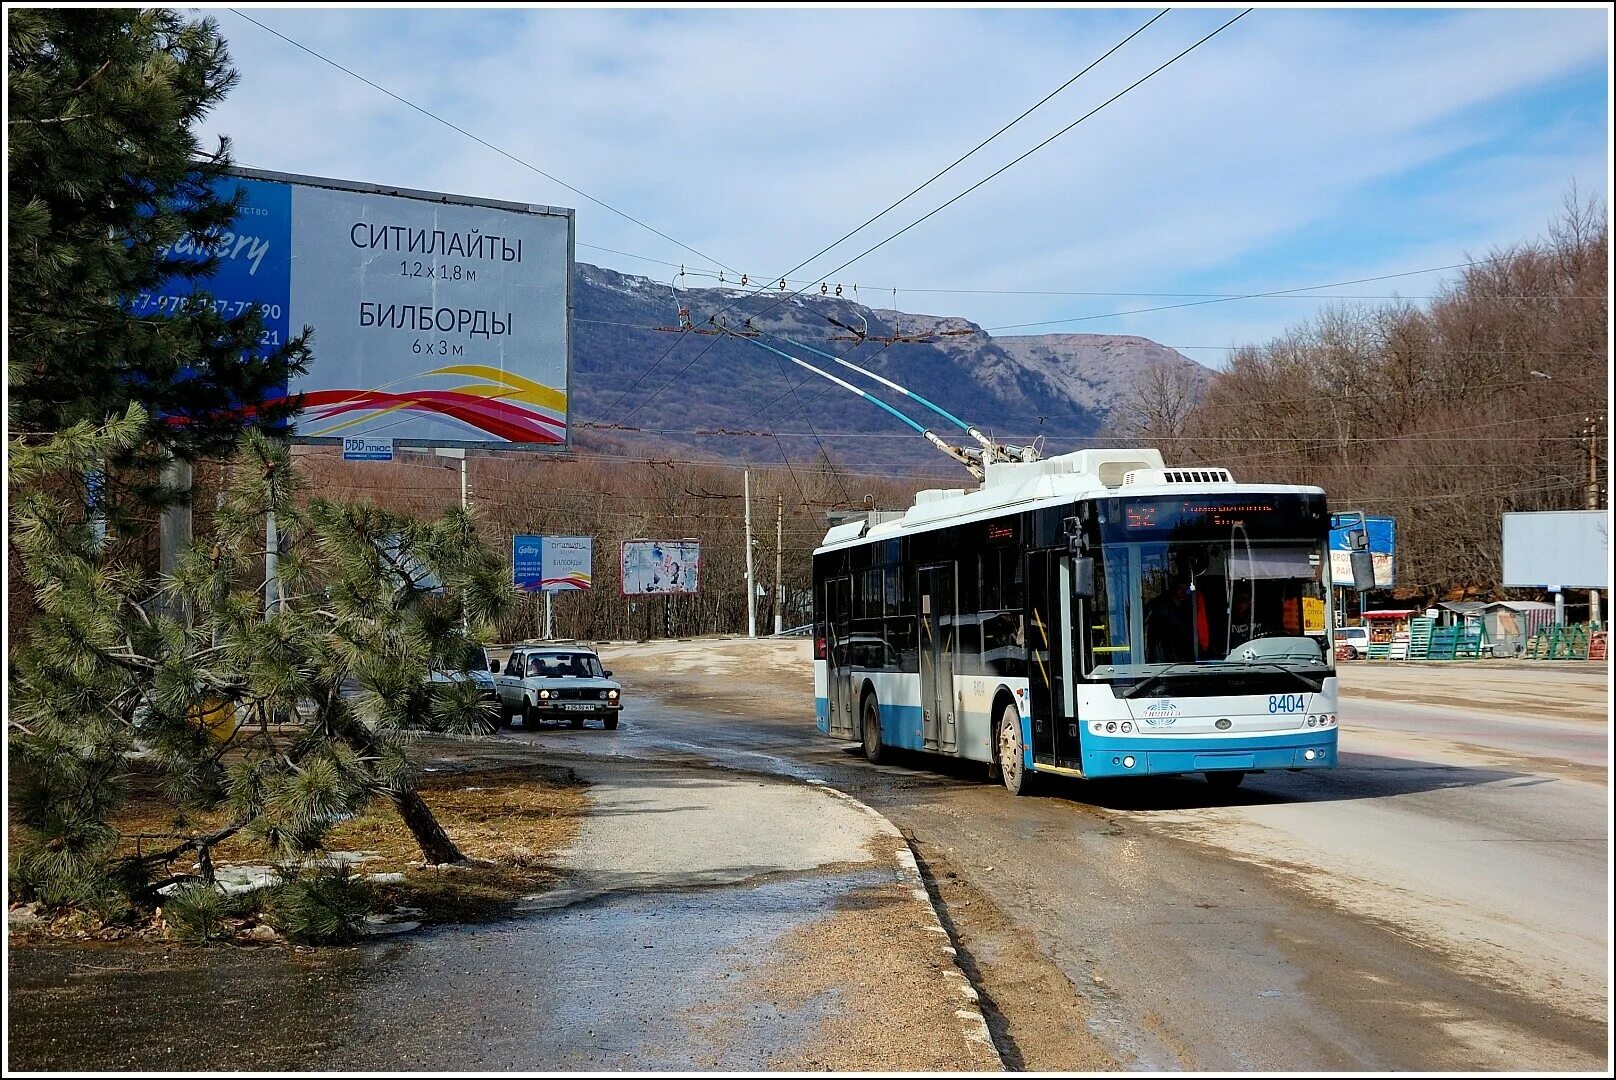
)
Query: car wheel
[
  {"x": 1352, "y": 652},
  {"x": 505, "y": 715},
  {"x": 870, "y": 729},
  {"x": 611, "y": 723},
  {"x": 1226, "y": 781},
  {"x": 1011, "y": 754},
  {"x": 528, "y": 722}
]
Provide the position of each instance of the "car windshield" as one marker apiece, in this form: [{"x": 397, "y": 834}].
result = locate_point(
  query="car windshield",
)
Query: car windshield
[
  {"x": 473, "y": 658},
  {"x": 564, "y": 666},
  {"x": 1208, "y": 585}
]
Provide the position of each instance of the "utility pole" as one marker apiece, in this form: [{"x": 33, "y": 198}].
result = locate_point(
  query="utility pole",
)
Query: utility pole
[
  {"x": 779, "y": 536},
  {"x": 751, "y": 586},
  {"x": 1590, "y": 432}
]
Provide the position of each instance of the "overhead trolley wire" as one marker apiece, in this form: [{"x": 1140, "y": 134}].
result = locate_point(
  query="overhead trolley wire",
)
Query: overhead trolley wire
[
  {"x": 959, "y": 160},
  {"x": 980, "y": 182},
  {"x": 1017, "y": 160}
]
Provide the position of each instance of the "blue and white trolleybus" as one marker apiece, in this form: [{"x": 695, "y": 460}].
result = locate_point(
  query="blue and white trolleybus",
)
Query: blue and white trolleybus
[{"x": 1095, "y": 614}]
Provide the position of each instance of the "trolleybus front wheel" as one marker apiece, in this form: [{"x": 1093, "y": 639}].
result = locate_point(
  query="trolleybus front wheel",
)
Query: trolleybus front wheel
[
  {"x": 870, "y": 729},
  {"x": 1227, "y": 780},
  {"x": 1012, "y": 755}
]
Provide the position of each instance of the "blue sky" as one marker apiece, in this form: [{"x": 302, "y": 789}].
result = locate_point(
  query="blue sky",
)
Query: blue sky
[{"x": 1298, "y": 147}]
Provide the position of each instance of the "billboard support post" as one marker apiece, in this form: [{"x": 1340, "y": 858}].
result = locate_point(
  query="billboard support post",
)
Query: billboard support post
[
  {"x": 174, "y": 532},
  {"x": 549, "y": 615},
  {"x": 272, "y": 553}
]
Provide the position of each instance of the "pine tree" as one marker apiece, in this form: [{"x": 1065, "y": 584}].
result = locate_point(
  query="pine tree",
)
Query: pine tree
[
  {"x": 105, "y": 176},
  {"x": 288, "y": 723}
]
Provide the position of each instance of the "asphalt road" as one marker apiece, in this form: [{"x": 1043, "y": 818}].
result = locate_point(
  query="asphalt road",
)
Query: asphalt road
[{"x": 1439, "y": 902}]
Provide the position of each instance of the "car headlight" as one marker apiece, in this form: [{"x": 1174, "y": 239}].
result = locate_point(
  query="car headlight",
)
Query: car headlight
[
  {"x": 612, "y": 695},
  {"x": 544, "y": 695}
]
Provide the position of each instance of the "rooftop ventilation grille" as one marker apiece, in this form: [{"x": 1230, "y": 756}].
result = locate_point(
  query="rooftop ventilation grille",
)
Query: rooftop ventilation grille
[{"x": 1179, "y": 476}]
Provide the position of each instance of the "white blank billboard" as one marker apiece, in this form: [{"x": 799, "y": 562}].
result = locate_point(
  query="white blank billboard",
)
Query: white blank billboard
[
  {"x": 1557, "y": 549},
  {"x": 660, "y": 566}
]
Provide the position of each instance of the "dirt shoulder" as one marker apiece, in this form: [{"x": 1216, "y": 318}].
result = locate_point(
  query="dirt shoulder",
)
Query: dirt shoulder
[
  {"x": 734, "y": 675},
  {"x": 1557, "y": 689}
]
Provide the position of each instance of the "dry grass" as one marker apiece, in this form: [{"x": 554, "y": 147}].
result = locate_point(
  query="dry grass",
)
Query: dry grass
[{"x": 506, "y": 820}]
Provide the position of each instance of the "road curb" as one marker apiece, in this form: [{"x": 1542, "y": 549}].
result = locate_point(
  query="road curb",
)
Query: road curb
[{"x": 973, "y": 1025}]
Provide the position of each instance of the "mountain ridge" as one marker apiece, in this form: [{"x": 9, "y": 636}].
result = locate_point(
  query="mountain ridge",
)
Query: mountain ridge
[{"x": 639, "y": 381}]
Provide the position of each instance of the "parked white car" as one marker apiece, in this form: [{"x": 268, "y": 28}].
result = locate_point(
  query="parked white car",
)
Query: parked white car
[
  {"x": 557, "y": 682},
  {"x": 1355, "y": 638}
]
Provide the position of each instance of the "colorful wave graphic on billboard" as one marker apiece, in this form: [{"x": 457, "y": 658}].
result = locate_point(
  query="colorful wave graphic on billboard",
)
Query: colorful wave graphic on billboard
[{"x": 504, "y": 405}]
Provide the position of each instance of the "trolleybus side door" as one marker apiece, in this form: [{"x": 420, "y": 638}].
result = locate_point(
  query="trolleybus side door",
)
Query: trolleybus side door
[
  {"x": 938, "y": 629},
  {"x": 843, "y": 721}
]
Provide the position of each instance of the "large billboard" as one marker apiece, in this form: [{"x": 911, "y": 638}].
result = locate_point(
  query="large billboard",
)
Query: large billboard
[
  {"x": 1557, "y": 549},
  {"x": 660, "y": 566},
  {"x": 438, "y": 320},
  {"x": 1382, "y": 548},
  {"x": 552, "y": 563}
]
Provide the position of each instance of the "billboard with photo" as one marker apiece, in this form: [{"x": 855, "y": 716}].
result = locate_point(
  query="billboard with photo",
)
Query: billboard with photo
[
  {"x": 1557, "y": 549},
  {"x": 660, "y": 566},
  {"x": 439, "y": 320},
  {"x": 552, "y": 563},
  {"x": 1382, "y": 547}
]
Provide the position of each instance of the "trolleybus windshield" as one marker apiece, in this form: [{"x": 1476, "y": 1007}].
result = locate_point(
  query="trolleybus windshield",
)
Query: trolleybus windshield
[{"x": 1208, "y": 584}]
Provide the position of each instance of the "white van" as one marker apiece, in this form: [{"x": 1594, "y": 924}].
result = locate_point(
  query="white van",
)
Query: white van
[{"x": 1356, "y": 640}]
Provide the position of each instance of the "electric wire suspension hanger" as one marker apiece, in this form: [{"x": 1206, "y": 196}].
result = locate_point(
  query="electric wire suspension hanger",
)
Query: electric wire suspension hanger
[{"x": 683, "y": 313}]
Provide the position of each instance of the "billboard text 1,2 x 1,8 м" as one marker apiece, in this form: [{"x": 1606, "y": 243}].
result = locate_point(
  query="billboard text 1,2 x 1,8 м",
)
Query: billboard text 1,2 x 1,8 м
[{"x": 438, "y": 320}]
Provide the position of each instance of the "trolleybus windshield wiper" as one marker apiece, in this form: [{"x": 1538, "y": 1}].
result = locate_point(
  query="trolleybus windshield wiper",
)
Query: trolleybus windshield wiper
[
  {"x": 1156, "y": 678},
  {"x": 1316, "y": 687}
]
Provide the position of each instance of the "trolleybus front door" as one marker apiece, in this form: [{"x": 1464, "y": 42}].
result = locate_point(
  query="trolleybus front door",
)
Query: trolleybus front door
[
  {"x": 844, "y": 720},
  {"x": 1051, "y": 659},
  {"x": 1069, "y": 728},
  {"x": 937, "y": 630}
]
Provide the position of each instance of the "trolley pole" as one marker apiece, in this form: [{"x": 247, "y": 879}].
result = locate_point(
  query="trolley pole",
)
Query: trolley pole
[
  {"x": 751, "y": 587},
  {"x": 779, "y": 536}
]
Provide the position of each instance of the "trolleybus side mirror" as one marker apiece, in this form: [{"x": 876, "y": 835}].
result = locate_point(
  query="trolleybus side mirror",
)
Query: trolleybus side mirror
[
  {"x": 1083, "y": 578},
  {"x": 1363, "y": 569}
]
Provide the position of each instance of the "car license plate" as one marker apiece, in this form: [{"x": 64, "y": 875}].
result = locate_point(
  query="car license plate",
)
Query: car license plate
[{"x": 578, "y": 708}]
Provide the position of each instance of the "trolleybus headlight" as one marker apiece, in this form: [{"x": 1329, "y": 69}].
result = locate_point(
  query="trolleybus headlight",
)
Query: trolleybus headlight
[
  {"x": 1309, "y": 754},
  {"x": 1111, "y": 725},
  {"x": 1097, "y": 727},
  {"x": 1312, "y": 721},
  {"x": 1127, "y": 762},
  {"x": 1126, "y": 726}
]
